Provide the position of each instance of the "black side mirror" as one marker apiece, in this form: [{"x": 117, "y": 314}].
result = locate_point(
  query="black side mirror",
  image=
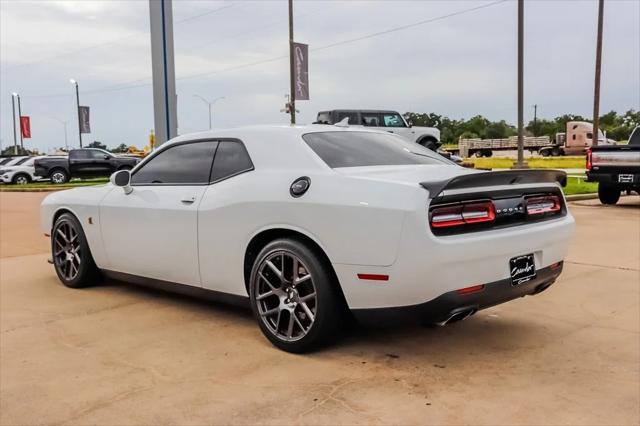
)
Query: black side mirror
[
  {"x": 122, "y": 178},
  {"x": 106, "y": 157}
]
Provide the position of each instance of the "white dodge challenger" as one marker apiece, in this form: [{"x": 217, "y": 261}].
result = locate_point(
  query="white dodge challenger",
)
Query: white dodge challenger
[{"x": 308, "y": 224}]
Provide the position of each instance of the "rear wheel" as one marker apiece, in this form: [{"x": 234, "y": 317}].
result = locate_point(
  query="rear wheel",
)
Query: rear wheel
[
  {"x": 59, "y": 176},
  {"x": 71, "y": 255},
  {"x": 545, "y": 153},
  {"x": 608, "y": 194},
  {"x": 429, "y": 143},
  {"x": 294, "y": 296},
  {"x": 21, "y": 179},
  {"x": 555, "y": 152}
]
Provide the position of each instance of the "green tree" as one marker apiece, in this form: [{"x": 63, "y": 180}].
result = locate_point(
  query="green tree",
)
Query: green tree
[
  {"x": 96, "y": 144},
  {"x": 122, "y": 148}
]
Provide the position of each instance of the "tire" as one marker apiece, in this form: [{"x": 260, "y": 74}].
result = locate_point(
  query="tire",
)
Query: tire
[
  {"x": 545, "y": 153},
  {"x": 555, "y": 152},
  {"x": 59, "y": 176},
  {"x": 487, "y": 153},
  {"x": 71, "y": 255},
  {"x": 608, "y": 194},
  {"x": 316, "y": 319},
  {"x": 21, "y": 179},
  {"x": 429, "y": 143}
]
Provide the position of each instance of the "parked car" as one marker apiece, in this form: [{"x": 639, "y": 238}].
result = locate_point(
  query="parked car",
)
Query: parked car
[
  {"x": 616, "y": 168},
  {"x": 10, "y": 161},
  {"x": 20, "y": 173},
  {"x": 86, "y": 162},
  {"x": 389, "y": 121},
  {"x": 307, "y": 223}
]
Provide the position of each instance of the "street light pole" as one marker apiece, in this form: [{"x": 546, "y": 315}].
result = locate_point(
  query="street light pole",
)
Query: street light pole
[
  {"x": 292, "y": 99},
  {"x": 15, "y": 137},
  {"x": 521, "y": 164},
  {"x": 64, "y": 124},
  {"x": 596, "y": 88},
  {"x": 75, "y": 83},
  {"x": 20, "y": 120},
  {"x": 210, "y": 106}
]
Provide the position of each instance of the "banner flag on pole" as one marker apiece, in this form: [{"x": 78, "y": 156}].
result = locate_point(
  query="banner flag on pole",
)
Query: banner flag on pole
[
  {"x": 84, "y": 119},
  {"x": 25, "y": 126},
  {"x": 301, "y": 71}
]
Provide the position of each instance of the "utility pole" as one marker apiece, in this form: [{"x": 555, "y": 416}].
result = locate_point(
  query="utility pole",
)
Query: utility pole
[
  {"x": 535, "y": 120},
  {"x": 15, "y": 137},
  {"x": 521, "y": 163},
  {"x": 596, "y": 91},
  {"x": 20, "y": 120},
  {"x": 75, "y": 83},
  {"x": 292, "y": 99}
]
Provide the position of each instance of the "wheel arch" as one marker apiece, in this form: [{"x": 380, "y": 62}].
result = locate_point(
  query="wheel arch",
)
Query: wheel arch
[
  {"x": 59, "y": 212},
  {"x": 265, "y": 236},
  {"x": 427, "y": 138}
]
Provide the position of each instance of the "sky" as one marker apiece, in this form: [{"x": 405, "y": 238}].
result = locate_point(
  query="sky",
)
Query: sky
[{"x": 455, "y": 61}]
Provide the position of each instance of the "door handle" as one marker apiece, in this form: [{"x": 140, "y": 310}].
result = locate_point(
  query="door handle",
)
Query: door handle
[{"x": 188, "y": 200}]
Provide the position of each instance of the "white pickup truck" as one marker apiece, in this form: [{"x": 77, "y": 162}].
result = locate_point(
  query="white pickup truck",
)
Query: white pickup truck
[{"x": 390, "y": 121}]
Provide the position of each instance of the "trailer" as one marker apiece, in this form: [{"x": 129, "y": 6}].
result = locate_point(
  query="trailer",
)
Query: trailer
[{"x": 485, "y": 147}]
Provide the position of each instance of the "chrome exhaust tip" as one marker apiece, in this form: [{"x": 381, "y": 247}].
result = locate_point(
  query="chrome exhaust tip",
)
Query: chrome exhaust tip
[{"x": 457, "y": 315}]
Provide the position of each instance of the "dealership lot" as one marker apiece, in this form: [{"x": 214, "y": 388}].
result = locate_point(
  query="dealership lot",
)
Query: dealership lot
[{"x": 119, "y": 354}]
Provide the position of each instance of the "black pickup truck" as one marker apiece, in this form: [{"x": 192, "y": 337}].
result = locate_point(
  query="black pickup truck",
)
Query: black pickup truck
[
  {"x": 616, "y": 168},
  {"x": 87, "y": 162}
]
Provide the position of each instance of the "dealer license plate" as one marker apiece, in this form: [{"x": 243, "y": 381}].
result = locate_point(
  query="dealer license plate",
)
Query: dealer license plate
[
  {"x": 522, "y": 269},
  {"x": 625, "y": 178}
]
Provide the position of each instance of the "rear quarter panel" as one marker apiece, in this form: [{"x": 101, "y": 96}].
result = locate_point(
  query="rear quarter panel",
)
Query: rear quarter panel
[{"x": 354, "y": 221}]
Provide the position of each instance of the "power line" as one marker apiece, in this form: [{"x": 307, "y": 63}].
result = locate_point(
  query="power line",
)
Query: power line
[
  {"x": 126, "y": 86},
  {"x": 113, "y": 41}
]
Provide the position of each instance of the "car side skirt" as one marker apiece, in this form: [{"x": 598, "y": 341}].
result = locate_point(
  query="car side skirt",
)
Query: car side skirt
[{"x": 187, "y": 290}]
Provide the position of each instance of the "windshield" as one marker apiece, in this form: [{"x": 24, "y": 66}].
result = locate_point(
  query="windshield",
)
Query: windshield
[
  {"x": 361, "y": 149},
  {"x": 634, "y": 139}
]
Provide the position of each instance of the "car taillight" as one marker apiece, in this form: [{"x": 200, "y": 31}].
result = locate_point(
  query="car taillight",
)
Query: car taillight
[
  {"x": 463, "y": 214},
  {"x": 543, "y": 204},
  {"x": 589, "y": 164}
]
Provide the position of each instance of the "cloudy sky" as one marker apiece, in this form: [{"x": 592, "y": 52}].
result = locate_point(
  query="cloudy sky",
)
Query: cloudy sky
[{"x": 460, "y": 65}]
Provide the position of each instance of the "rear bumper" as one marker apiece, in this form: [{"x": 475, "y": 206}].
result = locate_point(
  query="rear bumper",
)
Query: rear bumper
[
  {"x": 612, "y": 178},
  {"x": 451, "y": 306}
]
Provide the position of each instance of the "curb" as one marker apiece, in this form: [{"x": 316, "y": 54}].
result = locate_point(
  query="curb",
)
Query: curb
[{"x": 580, "y": 197}]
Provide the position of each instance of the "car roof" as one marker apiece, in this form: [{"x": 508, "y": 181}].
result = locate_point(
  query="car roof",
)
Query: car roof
[{"x": 366, "y": 111}]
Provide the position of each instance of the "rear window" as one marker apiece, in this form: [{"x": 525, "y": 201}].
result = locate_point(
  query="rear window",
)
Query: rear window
[{"x": 360, "y": 149}]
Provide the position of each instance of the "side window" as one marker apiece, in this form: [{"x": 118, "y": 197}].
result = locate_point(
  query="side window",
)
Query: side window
[
  {"x": 589, "y": 135},
  {"x": 80, "y": 154},
  {"x": 323, "y": 117},
  {"x": 392, "y": 120},
  {"x": 188, "y": 163},
  {"x": 95, "y": 154},
  {"x": 231, "y": 159},
  {"x": 353, "y": 117},
  {"x": 371, "y": 120}
]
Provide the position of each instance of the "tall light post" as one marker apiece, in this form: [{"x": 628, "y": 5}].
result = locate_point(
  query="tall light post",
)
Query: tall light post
[
  {"x": 596, "y": 86},
  {"x": 521, "y": 164},
  {"x": 64, "y": 124},
  {"x": 20, "y": 120},
  {"x": 210, "y": 106},
  {"x": 75, "y": 83},
  {"x": 15, "y": 137}
]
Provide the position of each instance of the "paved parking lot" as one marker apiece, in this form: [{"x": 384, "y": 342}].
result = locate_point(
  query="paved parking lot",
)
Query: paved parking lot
[{"x": 118, "y": 354}]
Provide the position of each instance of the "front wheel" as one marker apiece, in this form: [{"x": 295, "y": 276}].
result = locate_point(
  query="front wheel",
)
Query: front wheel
[
  {"x": 21, "y": 179},
  {"x": 294, "y": 296},
  {"x": 608, "y": 194},
  {"x": 71, "y": 255}
]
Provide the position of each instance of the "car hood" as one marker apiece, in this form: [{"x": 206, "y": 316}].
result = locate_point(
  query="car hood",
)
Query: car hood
[{"x": 413, "y": 174}]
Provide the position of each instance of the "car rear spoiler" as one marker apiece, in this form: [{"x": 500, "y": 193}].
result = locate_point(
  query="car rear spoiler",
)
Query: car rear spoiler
[{"x": 505, "y": 177}]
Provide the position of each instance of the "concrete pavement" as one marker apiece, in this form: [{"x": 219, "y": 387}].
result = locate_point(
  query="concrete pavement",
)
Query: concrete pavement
[{"x": 119, "y": 354}]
